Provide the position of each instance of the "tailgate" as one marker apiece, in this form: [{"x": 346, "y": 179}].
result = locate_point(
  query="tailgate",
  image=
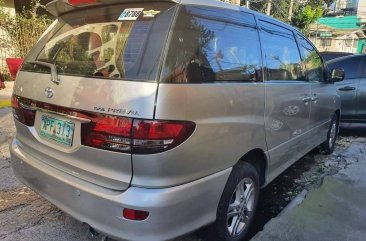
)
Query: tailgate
[
  {"x": 104, "y": 62},
  {"x": 106, "y": 168}
]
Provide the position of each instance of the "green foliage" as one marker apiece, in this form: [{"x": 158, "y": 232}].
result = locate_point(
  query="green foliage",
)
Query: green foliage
[
  {"x": 306, "y": 15},
  {"x": 24, "y": 29}
]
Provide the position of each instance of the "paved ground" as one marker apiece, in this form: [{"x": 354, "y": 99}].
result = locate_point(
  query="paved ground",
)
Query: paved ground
[
  {"x": 6, "y": 93},
  {"x": 335, "y": 211}
]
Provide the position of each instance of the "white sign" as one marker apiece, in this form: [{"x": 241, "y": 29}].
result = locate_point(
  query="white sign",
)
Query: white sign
[{"x": 130, "y": 14}]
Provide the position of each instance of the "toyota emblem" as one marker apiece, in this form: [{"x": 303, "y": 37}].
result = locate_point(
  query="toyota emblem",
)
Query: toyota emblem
[{"x": 49, "y": 92}]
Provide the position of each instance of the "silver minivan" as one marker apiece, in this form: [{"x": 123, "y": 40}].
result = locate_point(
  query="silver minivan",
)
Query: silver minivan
[{"x": 150, "y": 119}]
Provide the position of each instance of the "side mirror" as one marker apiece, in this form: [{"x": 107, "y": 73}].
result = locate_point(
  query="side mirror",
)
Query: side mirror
[{"x": 337, "y": 75}]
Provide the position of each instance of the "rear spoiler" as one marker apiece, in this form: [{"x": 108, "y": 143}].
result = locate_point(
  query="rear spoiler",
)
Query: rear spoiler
[{"x": 60, "y": 7}]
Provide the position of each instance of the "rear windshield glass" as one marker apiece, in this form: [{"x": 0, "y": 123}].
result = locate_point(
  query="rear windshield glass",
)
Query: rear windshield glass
[{"x": 119, "y": 42}]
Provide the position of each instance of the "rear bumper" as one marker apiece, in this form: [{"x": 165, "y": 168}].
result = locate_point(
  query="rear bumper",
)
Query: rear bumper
[{"x": 173, "y": 211}]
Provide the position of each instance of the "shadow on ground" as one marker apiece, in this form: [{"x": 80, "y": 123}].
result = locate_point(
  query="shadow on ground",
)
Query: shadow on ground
[{"x": 357, "y": 130}]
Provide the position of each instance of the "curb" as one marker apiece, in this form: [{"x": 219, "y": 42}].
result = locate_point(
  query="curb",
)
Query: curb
[{"x": 294, "y": 203}]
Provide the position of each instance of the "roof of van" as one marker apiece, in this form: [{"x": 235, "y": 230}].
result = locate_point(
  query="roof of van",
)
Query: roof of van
[{"x": 60, "y": 7}]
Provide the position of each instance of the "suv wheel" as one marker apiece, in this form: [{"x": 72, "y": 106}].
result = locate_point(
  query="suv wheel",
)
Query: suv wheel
[
  {"x": 238, "y": 203},
  {"x": 327, "y": 147}
]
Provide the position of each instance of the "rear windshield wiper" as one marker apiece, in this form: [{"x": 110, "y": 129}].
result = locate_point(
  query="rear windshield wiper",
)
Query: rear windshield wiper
[{"x": 52, "y": 67}]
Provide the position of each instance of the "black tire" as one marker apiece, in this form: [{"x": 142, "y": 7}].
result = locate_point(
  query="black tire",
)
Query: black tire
[
  {"x": 327, "y": 147},
  {"x": 241, "y": 172}
]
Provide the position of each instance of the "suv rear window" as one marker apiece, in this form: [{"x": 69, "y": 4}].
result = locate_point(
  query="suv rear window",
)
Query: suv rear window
[{"x": 108, "y": 42}]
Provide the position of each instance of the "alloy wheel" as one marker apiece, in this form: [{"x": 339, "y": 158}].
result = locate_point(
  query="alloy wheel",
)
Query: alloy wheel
[
  {"x": 241, "y": 207},
  {"x": 332, "y": 134}
]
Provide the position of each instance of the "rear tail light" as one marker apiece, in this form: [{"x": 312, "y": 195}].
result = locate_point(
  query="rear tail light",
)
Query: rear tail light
[
  {"x": 22, "y": 113},
  {"x": 110, "y": 133},
  {"x": 152, "y": 136},
  {"x": 135, "y": 135},
  {"x": 113, "y": 133}
]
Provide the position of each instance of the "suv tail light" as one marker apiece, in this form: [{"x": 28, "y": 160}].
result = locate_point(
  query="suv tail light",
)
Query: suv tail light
[
  {"x": 114, "y": 133},
  {"x": 21, "y": 113},
  {"x": 152, "y": 136},
  {"x": 135, "y": 135},
  {"x": 109, "y": 133}
]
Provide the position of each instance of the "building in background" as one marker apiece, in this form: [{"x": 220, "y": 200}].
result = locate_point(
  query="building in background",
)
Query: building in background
[
  {"x": 236, "y": 2},
  {"x": 342, "y": 29}
]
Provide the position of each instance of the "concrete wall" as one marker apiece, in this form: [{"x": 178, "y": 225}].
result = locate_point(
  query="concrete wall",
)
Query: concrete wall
[{"x": 9, "y": 6}]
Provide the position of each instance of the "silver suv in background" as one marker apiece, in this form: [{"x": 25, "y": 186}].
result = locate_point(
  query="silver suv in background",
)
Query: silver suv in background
[
  {"x": 353, "y": 89},
  {"x": 147, "y": 120}
]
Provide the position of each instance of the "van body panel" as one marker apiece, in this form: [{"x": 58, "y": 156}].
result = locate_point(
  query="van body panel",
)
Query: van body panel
[
  {"x": 234, "y": 110},
  {"x": 118, "y": 98},
  {"x": 102, "y": 208},
  {"x": 287, "y": 123},
  {"x": 325, "y": 104},
  {"x": 100, "y": 167},
  {"x": 114, "y": 97}
]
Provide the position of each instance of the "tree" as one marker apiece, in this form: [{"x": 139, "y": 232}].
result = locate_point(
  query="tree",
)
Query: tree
[
  {"x": 23, "y": 30},
  {"x": 306, "y": 15},
  {"x": 304, "y": 12}
]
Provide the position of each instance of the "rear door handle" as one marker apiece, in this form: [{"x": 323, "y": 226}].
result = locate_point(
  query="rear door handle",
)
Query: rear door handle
[{"x": 347, "y": 88}]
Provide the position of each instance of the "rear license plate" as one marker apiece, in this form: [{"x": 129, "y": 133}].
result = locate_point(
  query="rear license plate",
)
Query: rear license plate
[{"x": 57, "y": 130}]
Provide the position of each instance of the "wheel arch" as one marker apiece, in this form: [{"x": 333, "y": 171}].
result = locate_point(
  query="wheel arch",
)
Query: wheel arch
[{"x": 259, "y": 160}]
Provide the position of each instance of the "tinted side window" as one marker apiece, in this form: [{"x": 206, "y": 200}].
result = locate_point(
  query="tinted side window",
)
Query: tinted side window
[
  {"x": 281, "y": 53},
  {"x": 313, "y": 63},
  {"x": 351, "y": 66},
  {"x": 211, "y": 44}
]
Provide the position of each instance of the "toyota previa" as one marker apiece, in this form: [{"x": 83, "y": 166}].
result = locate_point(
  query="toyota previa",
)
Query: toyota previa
[{"x": 147, "y": 120}]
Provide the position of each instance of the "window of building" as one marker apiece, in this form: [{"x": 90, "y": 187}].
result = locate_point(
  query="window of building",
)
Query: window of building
[
  {"x": 348, "y": 42},
  {"x": 352, "y": 4},
  {"x": 326, "y": 42},
  {"x": 281, "y": 53},
  {"x": 211, "y": 44}
]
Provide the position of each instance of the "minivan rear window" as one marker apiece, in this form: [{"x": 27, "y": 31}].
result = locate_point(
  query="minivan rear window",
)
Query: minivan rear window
[{"x": 116, "y": 41}]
